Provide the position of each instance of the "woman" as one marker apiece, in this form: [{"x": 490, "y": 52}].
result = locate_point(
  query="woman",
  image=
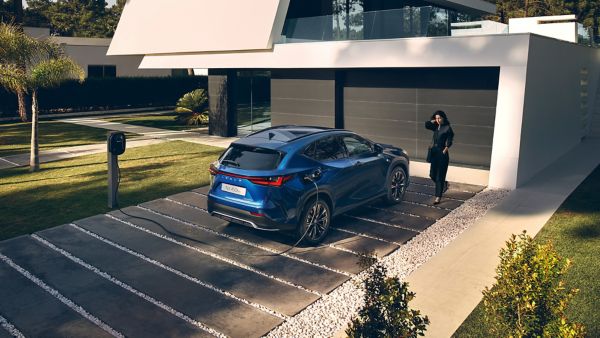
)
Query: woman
[{"x": 442, "y": 141}]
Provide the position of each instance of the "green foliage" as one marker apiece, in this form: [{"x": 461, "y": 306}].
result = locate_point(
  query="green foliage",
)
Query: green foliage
[
  {"x": 193, "y": 107},
  {"x": 587, "y": 11},
  {"x": 386, "y": 312},
  {"x": 81, "y": 18},
  {"x": 529, "y": 298}
]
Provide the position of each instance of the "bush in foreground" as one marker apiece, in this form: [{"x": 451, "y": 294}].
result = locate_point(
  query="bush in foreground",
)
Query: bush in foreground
[
  {"x": 529, "y": 298},
  {"x": 386, "y": 312}
]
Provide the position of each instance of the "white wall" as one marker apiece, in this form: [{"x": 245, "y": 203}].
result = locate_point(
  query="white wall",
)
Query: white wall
[
  {"x": 478, "y": 28},
  {"x": 127, "y": 65},
  {"x": 552, "y": 118},
  {"x": 566, "y": 30}
]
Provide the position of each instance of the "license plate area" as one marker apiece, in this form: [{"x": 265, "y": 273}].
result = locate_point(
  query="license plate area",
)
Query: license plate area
[{"x": 233, "y": 189}]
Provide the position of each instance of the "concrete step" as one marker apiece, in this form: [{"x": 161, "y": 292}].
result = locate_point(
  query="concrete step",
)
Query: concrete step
[
  {"x": 223, "y": 275},
  {"x": 119, "y": 308},
  {"x": 36, "y": 313}
]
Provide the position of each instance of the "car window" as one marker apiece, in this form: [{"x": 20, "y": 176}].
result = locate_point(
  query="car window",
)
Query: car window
[
  {"x": 357, "y": 146},
  {"x": 251, "y": 158},
  {"x": 326, "y": 149}
]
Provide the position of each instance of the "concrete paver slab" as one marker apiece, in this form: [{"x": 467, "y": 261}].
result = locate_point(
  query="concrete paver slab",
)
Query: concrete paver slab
[
  {"x": 243, "y": 283},
  {"x": 117, "y": 307},
  {"x": 453, "y": 185},
  {"x": 309, "y": 276},
  {"x": 338, "y": 238},
  {"x": 451, "y": 193},
  {"x": 218, "y": 311},
  {"x": 36, "y": 313},
  {"x": 393, "y": 218},
  {"x": 336, "y": 259},
  {"x": 430, "y": 212},
  {"x": 377, "y": 230},
  {"x": 427, "y": 199},
  {"x": 358, "y": 244},
  {"x": 202, "y": 190}
]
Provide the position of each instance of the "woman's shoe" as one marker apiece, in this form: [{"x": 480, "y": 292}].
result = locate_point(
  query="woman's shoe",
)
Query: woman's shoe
[{"x": 437, "y": 200}]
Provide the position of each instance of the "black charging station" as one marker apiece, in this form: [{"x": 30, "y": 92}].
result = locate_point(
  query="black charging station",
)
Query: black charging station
[{"x": 115, "y": 144}]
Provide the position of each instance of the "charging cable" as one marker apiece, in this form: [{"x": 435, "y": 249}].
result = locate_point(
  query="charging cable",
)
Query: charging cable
[{"x": 239, "y": 253}]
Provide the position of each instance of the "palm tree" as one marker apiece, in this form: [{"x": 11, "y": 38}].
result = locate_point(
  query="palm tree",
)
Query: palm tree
[
  {"x": 48, "y": 72},
  {"x": 28, "y": 64},
  {"x": 17, "y": 51}
]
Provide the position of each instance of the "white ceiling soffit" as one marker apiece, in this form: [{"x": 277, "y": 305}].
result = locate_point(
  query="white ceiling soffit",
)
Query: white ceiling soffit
[{"x": 180, "y": 26}]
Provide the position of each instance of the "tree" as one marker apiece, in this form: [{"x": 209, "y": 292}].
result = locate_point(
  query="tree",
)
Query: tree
[
  {"x": 50, "y": 71},
  {"x": 17, "y": 51},
  {"x": 27, "y": 64}
]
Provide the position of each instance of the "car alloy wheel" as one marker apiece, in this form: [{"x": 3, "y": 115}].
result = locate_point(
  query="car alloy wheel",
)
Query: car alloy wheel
[
  {"x": 316, "y": 219},
  {"x": 398, "y": 183}
]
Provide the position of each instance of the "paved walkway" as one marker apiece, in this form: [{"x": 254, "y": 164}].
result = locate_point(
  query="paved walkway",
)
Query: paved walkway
[
  {"x": 149, "y": 136},
  {"x": 117, "y": 274},
  {"x": 449, "y": 286}
]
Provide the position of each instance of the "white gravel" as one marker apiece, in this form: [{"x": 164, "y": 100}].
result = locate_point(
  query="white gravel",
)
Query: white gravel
[{"x": 334, "y": 311}]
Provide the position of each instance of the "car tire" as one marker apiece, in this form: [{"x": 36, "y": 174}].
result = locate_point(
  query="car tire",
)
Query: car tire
[
  {"x": 319, "y": 230},
  {"x": 397, "y": 184}
]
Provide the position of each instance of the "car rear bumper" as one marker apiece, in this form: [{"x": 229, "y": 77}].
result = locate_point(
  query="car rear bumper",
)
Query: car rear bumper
[{"x": 243, "y": 217}]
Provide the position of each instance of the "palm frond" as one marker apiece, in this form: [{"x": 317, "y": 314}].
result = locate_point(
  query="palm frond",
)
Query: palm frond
[
  {"x": 13, "y": 78},
  {"x": 50, "y": 73}
]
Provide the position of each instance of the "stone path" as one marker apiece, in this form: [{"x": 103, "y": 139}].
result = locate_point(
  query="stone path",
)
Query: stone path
[
  {"x": 166, "y": 268},
  {"x": 149, "y": 136}
]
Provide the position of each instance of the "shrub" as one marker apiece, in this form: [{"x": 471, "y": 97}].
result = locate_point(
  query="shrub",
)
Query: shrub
[
  {"x": 386, "y": 312},
  {"x": 528, "y": 298},
  {"x": 108, "y": 93},
  {"x": 193, "y": 107}
]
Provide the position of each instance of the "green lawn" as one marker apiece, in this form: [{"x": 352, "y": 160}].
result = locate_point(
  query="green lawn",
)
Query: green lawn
[
  {"x": 68, "y": 190},
  {"x": 15, "y": 138},
  {"x": 163, "y": 121},
  {"x": 575, "y": 232}
]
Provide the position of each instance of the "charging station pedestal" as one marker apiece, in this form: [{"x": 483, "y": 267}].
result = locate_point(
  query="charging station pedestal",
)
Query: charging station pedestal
[{"x": 115, "y": 147}]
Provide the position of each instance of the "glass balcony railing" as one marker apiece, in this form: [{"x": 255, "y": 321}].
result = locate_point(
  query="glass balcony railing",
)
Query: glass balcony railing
[{"x": 387, "y": 24}]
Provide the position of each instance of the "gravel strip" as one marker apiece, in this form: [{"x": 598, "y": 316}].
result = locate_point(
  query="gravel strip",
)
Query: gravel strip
[
  {"x": 10, "y": 328},
  {"x": 334, "y": 311}
]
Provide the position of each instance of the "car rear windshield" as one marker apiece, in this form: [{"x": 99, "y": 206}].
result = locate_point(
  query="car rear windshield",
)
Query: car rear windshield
[{"x": 251, "y": 158}]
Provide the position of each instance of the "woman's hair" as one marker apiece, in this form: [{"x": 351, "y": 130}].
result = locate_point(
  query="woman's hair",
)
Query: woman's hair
[{"x": 442, "y": 115}]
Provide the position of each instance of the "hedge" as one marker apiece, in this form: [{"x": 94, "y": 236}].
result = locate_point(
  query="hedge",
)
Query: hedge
[{"x": 108, "y": 93}]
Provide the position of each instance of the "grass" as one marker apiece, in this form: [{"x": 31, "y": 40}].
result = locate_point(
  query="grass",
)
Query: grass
[
  {"x": 68, "y": 190},
  {"x": 575, "y": 232},
  {"x": 15, "y": 138},
  {"x": 162, "y": 121}
]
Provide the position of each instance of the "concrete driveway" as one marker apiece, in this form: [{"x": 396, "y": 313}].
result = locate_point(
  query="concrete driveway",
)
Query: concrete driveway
[{"x": 177, "y": 271}]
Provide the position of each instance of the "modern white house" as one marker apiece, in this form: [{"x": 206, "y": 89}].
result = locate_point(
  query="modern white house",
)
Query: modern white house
[{"x": 516, "y": 101}]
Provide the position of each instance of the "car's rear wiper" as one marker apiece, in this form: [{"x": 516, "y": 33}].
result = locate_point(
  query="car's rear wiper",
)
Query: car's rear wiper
[{"x": 233, "y": 163}]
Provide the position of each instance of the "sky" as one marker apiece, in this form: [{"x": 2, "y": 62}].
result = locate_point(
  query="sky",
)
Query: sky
[{"x": 110, "y": 3}]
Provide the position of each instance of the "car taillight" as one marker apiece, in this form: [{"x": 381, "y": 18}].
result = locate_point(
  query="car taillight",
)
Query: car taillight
[
  {"x": 213, "y": 169},
  {"x": 273, "y": 181}
]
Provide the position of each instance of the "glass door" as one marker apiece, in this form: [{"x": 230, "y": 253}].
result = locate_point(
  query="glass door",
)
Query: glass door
[{"x": 254, "y": 101}]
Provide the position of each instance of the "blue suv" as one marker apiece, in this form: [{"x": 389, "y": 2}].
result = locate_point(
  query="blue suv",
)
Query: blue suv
[{"x": 297, "y": 179}]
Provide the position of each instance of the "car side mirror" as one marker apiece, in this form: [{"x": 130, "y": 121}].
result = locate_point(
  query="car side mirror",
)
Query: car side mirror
[{"x": 378, "y": 148}]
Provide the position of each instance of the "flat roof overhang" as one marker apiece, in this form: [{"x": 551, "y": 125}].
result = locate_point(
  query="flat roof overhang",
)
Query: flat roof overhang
[
  {"x": 474, "y": 7},
  {"x": 466, "y": 51}
]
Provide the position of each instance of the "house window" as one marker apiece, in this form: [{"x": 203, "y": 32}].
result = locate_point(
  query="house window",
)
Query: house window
[{"x": 102, "y": 71}]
